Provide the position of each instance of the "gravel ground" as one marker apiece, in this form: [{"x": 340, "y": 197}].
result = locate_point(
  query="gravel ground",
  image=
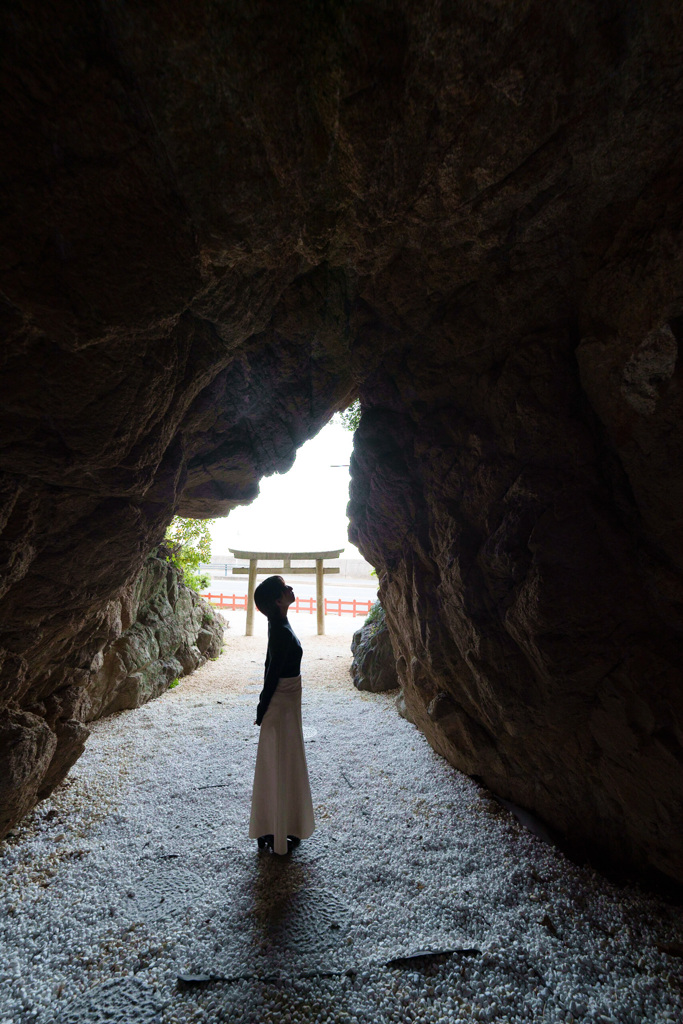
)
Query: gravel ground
[{"x": 138, "y": 870}]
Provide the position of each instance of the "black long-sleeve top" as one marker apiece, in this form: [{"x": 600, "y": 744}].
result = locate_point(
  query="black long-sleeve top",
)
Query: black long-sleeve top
[{"x": 283, "y": 660}]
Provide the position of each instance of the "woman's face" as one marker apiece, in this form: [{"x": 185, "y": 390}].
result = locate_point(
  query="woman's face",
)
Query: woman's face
[{"x": 285, "y": 599}]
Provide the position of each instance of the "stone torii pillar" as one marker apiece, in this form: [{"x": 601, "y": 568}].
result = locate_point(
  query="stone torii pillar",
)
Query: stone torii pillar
[{"x": 278, "y": 570}]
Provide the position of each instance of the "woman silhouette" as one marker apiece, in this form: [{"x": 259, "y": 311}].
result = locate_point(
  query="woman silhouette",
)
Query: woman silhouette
[{"x": 281, "y": 805}]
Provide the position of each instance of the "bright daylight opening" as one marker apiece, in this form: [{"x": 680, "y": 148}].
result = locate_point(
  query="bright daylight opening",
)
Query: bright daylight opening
[{"x": 303, "y": 510}]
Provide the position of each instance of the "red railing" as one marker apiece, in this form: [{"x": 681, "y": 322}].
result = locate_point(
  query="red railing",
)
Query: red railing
[
  {"x": 238, "y": 602},
  {"x": 339, "y": 607}
]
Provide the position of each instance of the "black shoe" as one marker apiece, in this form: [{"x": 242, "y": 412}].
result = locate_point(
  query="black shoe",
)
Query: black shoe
[
  {"x": 292, "y": 843},
  {"x": 264, "y": 842}
]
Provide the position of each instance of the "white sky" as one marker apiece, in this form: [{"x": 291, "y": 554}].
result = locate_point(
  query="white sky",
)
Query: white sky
[{"x": 302, "y": 510}]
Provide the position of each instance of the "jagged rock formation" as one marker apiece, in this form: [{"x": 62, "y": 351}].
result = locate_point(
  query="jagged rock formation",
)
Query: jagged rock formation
[
  {"x": 167, "y": 631},
  {"x": 157, "y": 630},
  {"x": 373, "y": 666},
  {"x": 224, "y": 221}
]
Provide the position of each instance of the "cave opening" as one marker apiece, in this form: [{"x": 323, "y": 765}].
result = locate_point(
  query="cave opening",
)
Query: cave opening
[
  {"x": 222, "y": 225},
  {"x": 301, "y": 509}
]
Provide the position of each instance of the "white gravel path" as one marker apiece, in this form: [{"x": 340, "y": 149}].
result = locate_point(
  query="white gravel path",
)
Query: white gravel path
[{"x": 139, "y": 869}]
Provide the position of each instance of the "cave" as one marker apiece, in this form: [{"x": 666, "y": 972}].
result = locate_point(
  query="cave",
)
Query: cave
[{"x": 222, "y": 223}]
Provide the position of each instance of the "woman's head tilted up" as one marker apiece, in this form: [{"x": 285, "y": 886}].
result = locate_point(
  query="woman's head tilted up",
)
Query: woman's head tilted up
[{"x": 273, "y": 597}]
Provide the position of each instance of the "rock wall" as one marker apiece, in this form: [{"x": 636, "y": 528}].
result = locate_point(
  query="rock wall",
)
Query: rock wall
[
  {"x": 157, "y": 630},
  {"x": 533, "y": 608},
  {"x": 172, "y": 632},
  {"x": 222, "y": 222}
]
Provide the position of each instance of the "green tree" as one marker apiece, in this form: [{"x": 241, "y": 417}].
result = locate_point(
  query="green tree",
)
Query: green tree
[
  {"x": 351, "y": 417},
  {"x": 190, "y": 542}
]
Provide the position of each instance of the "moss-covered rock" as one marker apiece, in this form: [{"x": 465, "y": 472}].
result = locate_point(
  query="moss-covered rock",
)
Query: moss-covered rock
[
  {"x": 174, "y": 632},
  {"x": 374, "y": 665}
]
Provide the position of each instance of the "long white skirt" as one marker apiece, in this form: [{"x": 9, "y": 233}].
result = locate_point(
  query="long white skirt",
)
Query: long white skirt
[{"x": 281, "y": 802}]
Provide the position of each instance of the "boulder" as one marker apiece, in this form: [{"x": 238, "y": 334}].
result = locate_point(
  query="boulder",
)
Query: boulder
[
  {"x": 27, "y": 747},
  {"x": 374, "y": 666}
]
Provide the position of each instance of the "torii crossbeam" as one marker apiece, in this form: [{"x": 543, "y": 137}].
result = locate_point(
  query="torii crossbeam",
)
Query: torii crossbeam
[{"x": 275, "y": 570}]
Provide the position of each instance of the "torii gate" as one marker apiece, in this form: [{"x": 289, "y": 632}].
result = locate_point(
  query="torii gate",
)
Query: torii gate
[{"x": 277, "y": 570}]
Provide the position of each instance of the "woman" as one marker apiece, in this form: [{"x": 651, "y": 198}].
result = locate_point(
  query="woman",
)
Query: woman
[{"x": 281, "y": 806}]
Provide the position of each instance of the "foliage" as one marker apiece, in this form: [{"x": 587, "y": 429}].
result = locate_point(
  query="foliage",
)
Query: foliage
[
  {"x": 175, "y": 682},
  {"x": 376, "y": 613},
  {"x": 190, "y": 541},
  {"x": 351, "y": 417}
]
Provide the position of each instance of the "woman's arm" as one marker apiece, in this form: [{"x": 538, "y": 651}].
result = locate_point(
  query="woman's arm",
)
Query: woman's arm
[{"x": 278, "y": 647}]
